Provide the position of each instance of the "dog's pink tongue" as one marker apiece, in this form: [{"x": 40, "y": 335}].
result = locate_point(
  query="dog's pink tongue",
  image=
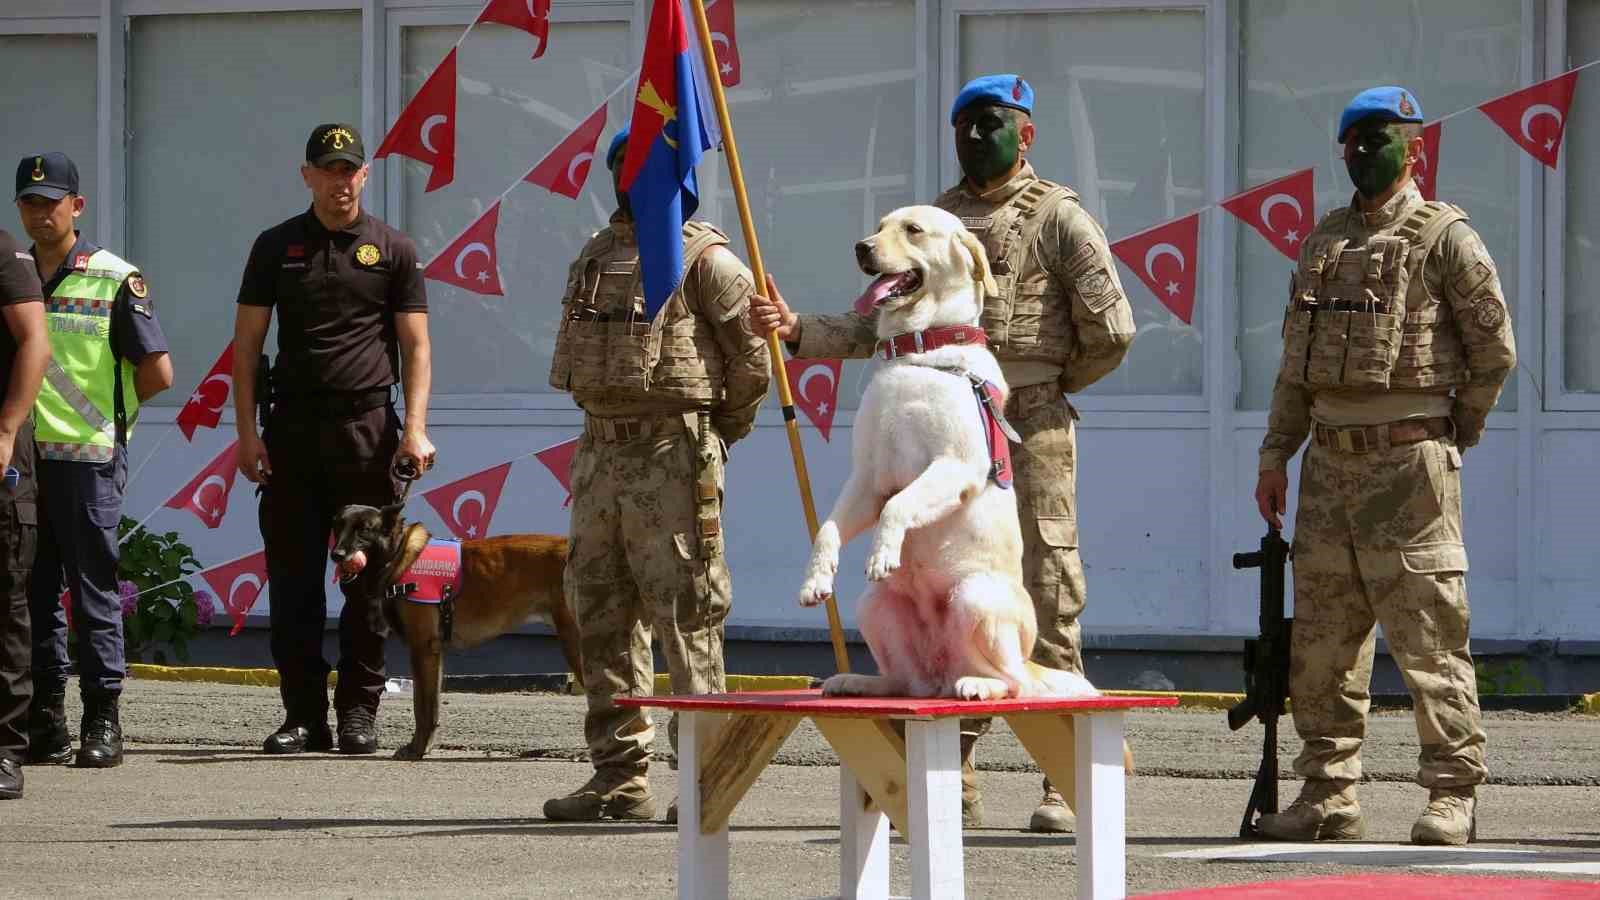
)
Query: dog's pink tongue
[
  {"x": 879, "y": 289},
  {"x": 352, "y": 565}
]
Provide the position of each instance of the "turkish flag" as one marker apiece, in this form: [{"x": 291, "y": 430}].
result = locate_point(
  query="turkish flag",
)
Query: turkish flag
[
  {"x": 1164, "y": 259},
  {"x": 1426, "y": 172},
  {"x": 239, "y": 584},
  {"x": 460, "y": 264},
  {"x": 817, "y": 401},
  {"x": 558, "y": 459},
  {"x": 565, "y": 169},
  {"x": 719, "y": 16},
  {"x": 532, "y": 16},
  {"x": 454, "y": 500},
  {"x": 1283, "y": 211},
  {"x": 417, "y": 132},
  {"x": 206, "y": 494},
  {"x": 1536, "y": 117},
  {"x": 204, "y": 409}
]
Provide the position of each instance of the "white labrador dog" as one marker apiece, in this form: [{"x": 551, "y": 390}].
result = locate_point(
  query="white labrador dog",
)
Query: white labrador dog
[{"x": 945, "y": 613}]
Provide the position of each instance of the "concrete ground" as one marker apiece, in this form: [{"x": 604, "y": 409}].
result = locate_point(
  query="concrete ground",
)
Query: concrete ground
[{"x": 197, "y": 811}]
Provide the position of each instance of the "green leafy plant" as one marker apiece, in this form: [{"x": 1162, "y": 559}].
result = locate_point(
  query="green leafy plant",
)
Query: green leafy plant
[
  {"x": 161, "y": 613},
  {"x": 1506, "y": 678}
]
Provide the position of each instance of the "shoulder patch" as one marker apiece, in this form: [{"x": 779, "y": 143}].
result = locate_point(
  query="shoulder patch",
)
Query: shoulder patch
[
  {"x": 1471, "y": 278},
  {"x": 1488, "y": 313},
  {"x": 138, "y": 288}
]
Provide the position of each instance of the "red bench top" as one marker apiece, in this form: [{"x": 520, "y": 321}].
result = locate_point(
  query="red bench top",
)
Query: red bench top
[{"x": 812, "y": 703}]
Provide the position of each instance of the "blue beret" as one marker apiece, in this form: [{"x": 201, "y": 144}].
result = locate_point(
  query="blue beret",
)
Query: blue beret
[
  {"x": 1394, "y": 104},
  {"x": 618, "y": 141},
  {"x": 998, "y": 90}
]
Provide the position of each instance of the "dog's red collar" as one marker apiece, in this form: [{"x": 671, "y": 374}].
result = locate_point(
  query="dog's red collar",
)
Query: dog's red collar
[{"x": 932, "y": 339}]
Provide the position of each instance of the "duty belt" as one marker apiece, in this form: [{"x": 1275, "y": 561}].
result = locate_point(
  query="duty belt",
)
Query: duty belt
[
  {"x": 1367, "y": 438},
  {"x": 331, "y": 403},
  {"x": 617, "y": 430}
]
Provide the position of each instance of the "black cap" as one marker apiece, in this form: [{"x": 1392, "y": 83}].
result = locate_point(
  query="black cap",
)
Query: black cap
[
  {"x": 51, "y": 175},
  {"x": 335, "y": 141}
]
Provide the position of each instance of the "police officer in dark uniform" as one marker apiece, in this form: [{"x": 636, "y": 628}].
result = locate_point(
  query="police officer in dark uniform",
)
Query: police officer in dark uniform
[
  {"x": 24, "y": 351},
  {"x": 352, "y": 321},
  {"x": 109, "y": 355}
]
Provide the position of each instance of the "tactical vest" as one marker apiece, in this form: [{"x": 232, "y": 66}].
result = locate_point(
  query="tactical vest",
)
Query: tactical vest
[
  {"x": 1029, "y": 318},
  {"x": 606, "y": 345},
  {"x": 75, "y": 414},
  {"x": 1362, "y": 317}
]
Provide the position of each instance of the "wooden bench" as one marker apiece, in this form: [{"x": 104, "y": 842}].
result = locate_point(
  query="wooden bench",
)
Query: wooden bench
[{"x": 914, "y": 782}]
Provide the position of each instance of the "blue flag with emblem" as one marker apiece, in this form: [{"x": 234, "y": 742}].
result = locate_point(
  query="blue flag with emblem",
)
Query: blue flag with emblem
[{"x": 670, "y": 130}]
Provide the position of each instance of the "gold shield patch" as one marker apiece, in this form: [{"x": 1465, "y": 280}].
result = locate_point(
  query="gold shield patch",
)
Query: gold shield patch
[
  {"x": 137, "y": 287},
  {"x": 367, "y": 254}
]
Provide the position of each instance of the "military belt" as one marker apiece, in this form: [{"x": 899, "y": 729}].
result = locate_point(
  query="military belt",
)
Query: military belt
[
  {"x": 1364, "y": 306},
  {"x": 1367, "y": 438},
  {"x": 618, "y": 430}
]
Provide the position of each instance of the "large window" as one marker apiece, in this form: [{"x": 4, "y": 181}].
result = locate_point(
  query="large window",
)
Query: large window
[
  {"x": 1453, "y": 54},
  {"x": 219, "y": 108},
  {"x": 1581, "y": 317},
  {"x": 54, "y": 113},
  {"x": 1120, "y": 112}
]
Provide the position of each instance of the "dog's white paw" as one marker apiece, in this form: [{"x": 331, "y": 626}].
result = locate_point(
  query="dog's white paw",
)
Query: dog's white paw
[
  {"x": 883, "y": 561},
  {"x": 974, "y": 688},
  {"x": 842, "y": 685},
  {"x": 817, "y": 588}
]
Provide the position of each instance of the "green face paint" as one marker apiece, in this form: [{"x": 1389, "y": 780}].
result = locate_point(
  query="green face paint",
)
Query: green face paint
[
  {"x": 1375, "y": 155},
  {"x": 988, "y": 141}
]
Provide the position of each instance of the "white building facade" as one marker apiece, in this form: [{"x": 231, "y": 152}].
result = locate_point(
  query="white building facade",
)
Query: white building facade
[{"x": 188, "y": 120}]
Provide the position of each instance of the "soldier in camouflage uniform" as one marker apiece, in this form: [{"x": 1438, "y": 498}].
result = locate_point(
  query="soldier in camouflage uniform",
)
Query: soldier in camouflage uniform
[
  {"x": 662, "y": 399},
  {"x": 1396, "y": 344},
  {"x": 1059, "y": 323}
]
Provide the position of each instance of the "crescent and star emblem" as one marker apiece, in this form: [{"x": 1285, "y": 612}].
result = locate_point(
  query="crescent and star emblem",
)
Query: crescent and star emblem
[
  {"x": 819, "y": 370},
  {"x": 455, "y": 509},
  {"x": 468, "y": 250},
  {"x": 212, "y": 513},
  {"x": 1158, "y": 251},
  {"x": 1275, "y": 201},
  {"x": 1534, "y": 112},
  {"x": 572, "y": 168},
  {"x": 248, "y": 578},
  {"x": 426, "y": 132},
  {"x": 199, "y": 392}
]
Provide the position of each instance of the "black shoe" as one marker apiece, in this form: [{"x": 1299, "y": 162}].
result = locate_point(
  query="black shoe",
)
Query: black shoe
[
  {"x": 10, "y": 779},
  {"x": 49, "y": 741},
  {"x": 290, "y": 738},
  {"x": 102, "y": 731},
  {"x": 358, "y": 731}
]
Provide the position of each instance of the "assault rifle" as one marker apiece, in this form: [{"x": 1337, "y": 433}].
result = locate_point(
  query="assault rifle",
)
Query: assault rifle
[{"x": 1266, "y": 673}]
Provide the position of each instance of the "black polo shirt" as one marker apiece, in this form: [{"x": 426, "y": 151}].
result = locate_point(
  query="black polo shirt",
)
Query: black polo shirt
[
  {"x": 336, "y": 293},
  {"x": 19, "y": 283}
]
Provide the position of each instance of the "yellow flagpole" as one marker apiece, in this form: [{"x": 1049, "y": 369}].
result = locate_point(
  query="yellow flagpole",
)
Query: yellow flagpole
[{"x": 774, "y": 348}]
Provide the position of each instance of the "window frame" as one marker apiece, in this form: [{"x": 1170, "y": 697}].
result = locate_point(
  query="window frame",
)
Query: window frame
[{"x": 1556, "y": 396}]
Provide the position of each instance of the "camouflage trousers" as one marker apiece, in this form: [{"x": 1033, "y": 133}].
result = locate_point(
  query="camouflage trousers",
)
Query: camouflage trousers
[
  {"x": 635, "y": 568},
  {"x": 1046, "y": 465},
  {"x": 1378, "y": 542}
]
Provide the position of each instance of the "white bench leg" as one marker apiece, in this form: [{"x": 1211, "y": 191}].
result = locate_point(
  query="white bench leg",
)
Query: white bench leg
[
  {"x": 933, "y": 782},
  {"x": 1102, "y": 827},
  {"x": 863, "y": 843},
  {"x": 702, "y": 858}
]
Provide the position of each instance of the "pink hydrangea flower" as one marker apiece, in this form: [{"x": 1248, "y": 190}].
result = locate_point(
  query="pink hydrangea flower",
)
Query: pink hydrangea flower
[
  {"x": 205, "y": 606},
  {"x": 129, "y": 593}
]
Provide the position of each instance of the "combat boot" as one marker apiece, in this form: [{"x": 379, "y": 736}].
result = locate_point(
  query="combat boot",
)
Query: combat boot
[
  {"x": 358, "y": 730},
  {"x": 1053, "y": 816},
  {"x": 102, "y": 731},
  {"x": 10, "y": 779},
  {"x": 1326, "y": 810},
  {"x": 971, "y": 797},
  {"x": 49, "y": 741},
  {"x": 611, "y": 794},
  {"x": 1451, "y": 817}
]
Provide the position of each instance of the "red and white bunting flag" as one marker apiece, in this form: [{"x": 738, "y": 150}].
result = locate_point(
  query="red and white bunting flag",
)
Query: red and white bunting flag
[
  {"x": 204, "y": 409},
  {"x": 719, "y": 16},
  {"x": 206, "y": 494},
  {"x": 1426, "y": 172},
  {"x": 565, "y": 169},
  {"x": 467, "y": 505},
  {"x": 1536, "y": 117},
  {"x": 558, "y": 459},
  {"x": 1283, "y": 210},
  {"x": 1164, "y": 259},
  {"x": 238, "y": 584},
  {"x": 471, "y": 262},
  {"x": 532, "y": 16},
  {"x": 426, "y": 129},
  {"x": 817, "y": 401}
]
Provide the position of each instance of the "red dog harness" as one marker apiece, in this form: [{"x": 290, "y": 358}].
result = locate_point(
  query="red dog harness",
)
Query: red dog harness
[{"x": 434, "y": 579}]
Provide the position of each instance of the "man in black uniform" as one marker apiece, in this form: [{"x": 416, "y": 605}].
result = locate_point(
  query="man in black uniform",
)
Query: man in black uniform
[
  {"x": 24, "y": 351},
  {"x": 352, "y": 320}
]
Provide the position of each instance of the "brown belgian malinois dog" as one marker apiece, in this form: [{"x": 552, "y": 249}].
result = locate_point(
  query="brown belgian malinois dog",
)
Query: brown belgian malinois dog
[{"x": 505, "y": 581}]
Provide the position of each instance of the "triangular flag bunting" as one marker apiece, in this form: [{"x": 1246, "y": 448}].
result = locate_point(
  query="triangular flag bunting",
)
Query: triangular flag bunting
[
  {"x": 1426, "y": 172},
  {"x": 471, "y": 262},
  {"x": 467, "y": 505},
  {"x": 426, "y": 128},
  {"x": 238, "y": 584},
  {"x": 564, "y": 169},
  {"x": 1283, "y": 211},
  {"x": 815, "y": 389},
  {"x": 532, "y": 16},
  {"x": 558, "y": 459},
  {"x": 206, "y": 494},
  {"x": 1536, "y": 117},
  {"x": 1164, "y": 259},
  {"x": 204, "y": 409}
]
